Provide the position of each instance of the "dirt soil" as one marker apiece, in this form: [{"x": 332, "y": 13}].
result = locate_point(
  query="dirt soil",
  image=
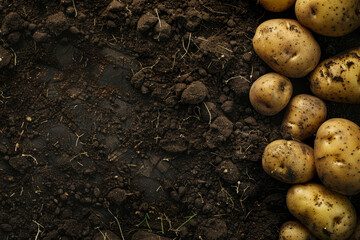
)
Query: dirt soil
[{"x": 131, "y": 120}]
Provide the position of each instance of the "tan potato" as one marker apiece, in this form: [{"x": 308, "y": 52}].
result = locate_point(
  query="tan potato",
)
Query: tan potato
[
  {"x": 287, "y": 47},
  {"x": 327, "y": 214},
  {"x": 276, "y": 5},
  {"x": 356, "y": 234},
  {"x": 332, "y": 18},
  {"x": 337, "y": 155},
  {"x": 303, "y": 116},
  {"x": 293, "y": 230},
  {"x": 338, "y": 78},
  {"x": 270, "y": 93},
  {"x": 289, "y": 161}
]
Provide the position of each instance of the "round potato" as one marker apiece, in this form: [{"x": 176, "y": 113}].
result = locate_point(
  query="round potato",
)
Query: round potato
[
  {"x": 338, "y": 78},
  {"x": 293, "y": 230},
  {"x": 332, "y": 18},
  {"x": 327, "y": 214},
  {"x": 356, "y": 234},
  {"x": 337, "y": 154},
  {"x": 276, "y": 5},
  {"x": 289, "y": 161},
  {"x": 270, "y": 93},
  {"x": 287, "y": 47},
  {"x": 303, "y": 116}
]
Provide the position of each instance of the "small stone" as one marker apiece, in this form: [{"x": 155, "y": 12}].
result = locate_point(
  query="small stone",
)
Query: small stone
[
  {"x": 115, "y": 6},
  {"x": 146, "y": 22},
  {"x": 74, "y": 30},
  {"x": 57, "y": 23},
  {"x": 195, "y": 93},
  {"x": 11, "y": 23},
  {"x": 70, "y": 11},
  {"x": 231, "y": 23},
  {"x": 111, "y": 24},
  {"x": 247, "y": 56},
  {"x": 228, "y": 106},
  {"x": 14, "y": 37},
  {"x": 240, "y": 85},
  {"x": 228, "y": 171},
  {"x": 32, "y": 26},
  {"x": 163, "y": 31},
  {"x": 40, "y": 37},
  {"x": 250, "y": 121},
  {"x": 117, "y": 196},
  {"x": 96, "y": 192},
  {"x": 219, "y": 131}
]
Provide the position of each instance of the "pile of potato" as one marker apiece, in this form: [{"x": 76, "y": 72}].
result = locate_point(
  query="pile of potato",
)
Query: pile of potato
[{"x": 323, "y": 210}]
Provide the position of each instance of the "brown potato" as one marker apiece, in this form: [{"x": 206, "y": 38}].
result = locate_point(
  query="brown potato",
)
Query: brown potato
[
  {"x": 289, "y": 161},
  {"x": 270, "y": 93},
  {"x": 287, "y": 47},
  {"x": 332, "y": 18},
  {"x": 337, "y": 155},
  {"x": 303, "y": 116},
  {"x": 338, "y": 78},
  {"x": 327, "y": 214},
  {"x": 293, "y": 230},
  {"x": 276, "y": 5}
]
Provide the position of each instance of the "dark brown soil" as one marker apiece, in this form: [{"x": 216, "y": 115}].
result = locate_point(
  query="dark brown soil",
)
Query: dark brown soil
[{"x": 131, "y": 118}]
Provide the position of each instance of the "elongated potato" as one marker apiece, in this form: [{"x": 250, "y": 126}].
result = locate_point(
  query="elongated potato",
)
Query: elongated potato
[
  {"x": 332, "y": 18},
  {"x": 338, "y": 78},
  {"x": 289, "y": 161},
  {"x": 276, "y": 5},
  {"x": 303, "y": 116},
  {"x": 337, "y": 155},
  {"x": 287, "y": 47},
  {"x": 294, "y": 230},
  {"x": 327, "y": 214},
  {"x": 270, "y": 93}
]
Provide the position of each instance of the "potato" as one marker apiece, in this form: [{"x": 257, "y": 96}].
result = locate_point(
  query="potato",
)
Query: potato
[
  {"x": 303, "y": 116},
  {"x": 287, "y": 47},
  {"x": 327, "y": 214},
  {"x": 289, "y": 161},
  {"x": 293, "y": 230},
  {"x": 276, "y": 5},
  {"x": 338, "y": 78},
  {"x": 332, "y": 18},
  {"x": 337, "y": 155},
  {"x": 356, "y": 234},
  {"x": 270, "y": 93}
]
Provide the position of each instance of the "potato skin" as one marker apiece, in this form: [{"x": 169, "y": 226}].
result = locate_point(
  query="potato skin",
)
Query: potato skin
[
  {"x": 338, "y": 78},
  {"x": 332, "y": 18},
  {"x": 287, "y": 47},
  {"x": 294, "y": 230},
  {"x": 337, "y": 155},
  {"x": 276, "y": 5},
  {"x": 304, "y": 115},
  {"x": 327, "y": 214},
  {"x": 270, "y": 93},
  {"x": 289, "y": 161}
]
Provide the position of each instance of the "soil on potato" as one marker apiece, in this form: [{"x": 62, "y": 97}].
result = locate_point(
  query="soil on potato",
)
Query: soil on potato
[{"x": 130, "y": 120}]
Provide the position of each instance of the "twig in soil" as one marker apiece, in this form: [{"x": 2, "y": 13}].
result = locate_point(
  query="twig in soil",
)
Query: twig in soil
[
  {"x": 118, "y": 223},
  {"x": 146, "y": 218},
  {"x": 127, "y": 8},
  {"x": 29, "y": 155},
  {"x": 208, "y": 112},
  {"x": 187, "y": 48},
  {"x": 211, "y": 10},
  {"x": 247, "y": 174},
  {"x": 76, "y": 13},
  {"x": 229, "y": 199},
  {"x": 2, "y": 96},
  {"x": 242, "y": 198},
  {"x": 38, "y": 229},
  {"x": 174, "y": 61},
  {"x": 157, "y": 14},
  {"x": 14, "y": 56},
  {"x": 239, "y": 76},
  {"x": 252, "y": 71},
  {"x": 77, "y": 155},
  {"x": 152, "y": 66},
  {"x": 78, "y": 138}
]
